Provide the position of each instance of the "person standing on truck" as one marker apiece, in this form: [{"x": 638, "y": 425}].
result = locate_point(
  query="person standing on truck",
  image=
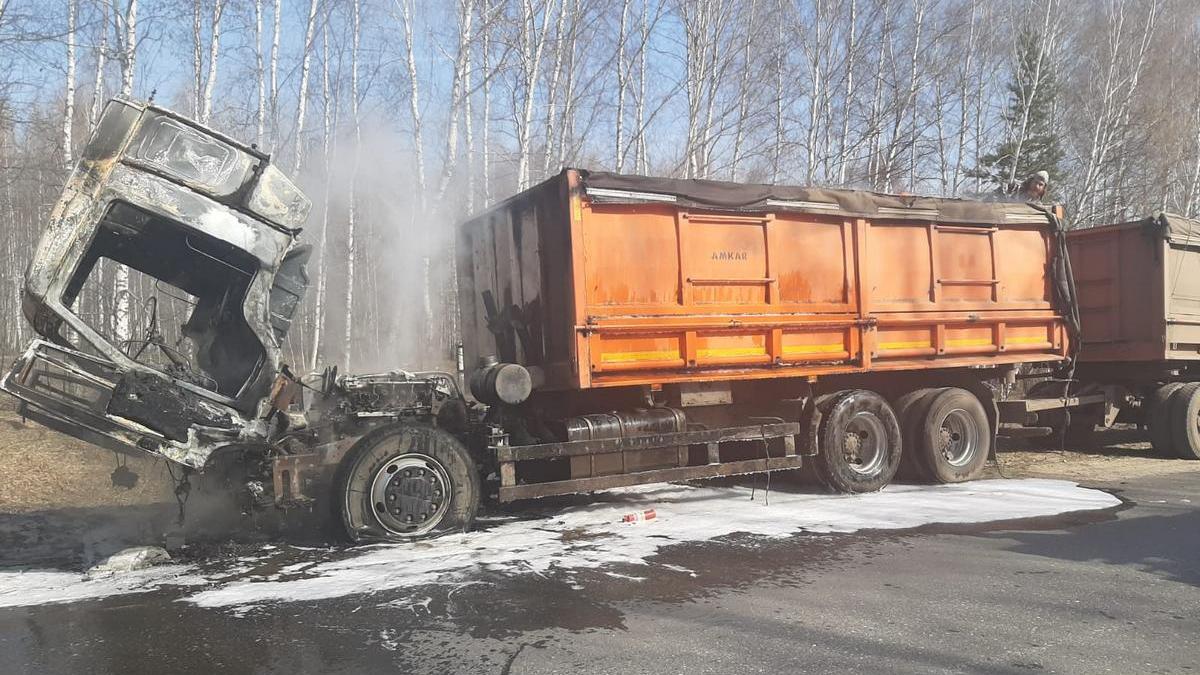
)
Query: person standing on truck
[{"x": 1033, "y": 189}]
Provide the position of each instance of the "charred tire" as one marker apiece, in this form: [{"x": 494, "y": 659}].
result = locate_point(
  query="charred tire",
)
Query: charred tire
[
  {"x": 909, "y": 409},
  {"x": 1159, "y": 418},
  {"x": 404, "y": 482},
  {"x": 951, "y": 437},
  {"x": 1185, "y": 421},
  {"x": 860, "y": 442}
]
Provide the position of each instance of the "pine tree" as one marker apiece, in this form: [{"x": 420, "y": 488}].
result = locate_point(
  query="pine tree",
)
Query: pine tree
[{"x": 1032, "y": 143}]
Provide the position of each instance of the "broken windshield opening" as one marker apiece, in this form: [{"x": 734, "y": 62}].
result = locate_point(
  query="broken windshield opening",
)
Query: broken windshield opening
[{"x": 173, "y": 299}]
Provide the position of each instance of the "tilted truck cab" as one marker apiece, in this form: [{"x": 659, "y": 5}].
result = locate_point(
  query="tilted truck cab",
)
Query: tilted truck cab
[{"x": 209, "y": 222}]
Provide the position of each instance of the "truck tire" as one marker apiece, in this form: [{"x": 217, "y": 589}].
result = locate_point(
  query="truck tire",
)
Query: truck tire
[
  {"x": 951, "y": 438},
  {"x": 909, "y": 409},
  {"x": 1159, "y": 418},
  {"x": 403, "y": 482},
  {"x": 860, "y": 442},
  {"x": 1185, "y": 421}
]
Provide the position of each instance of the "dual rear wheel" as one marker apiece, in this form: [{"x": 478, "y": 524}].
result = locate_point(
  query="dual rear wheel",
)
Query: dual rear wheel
[
  {"x": 931, "y": 435},
  {"x": 1174, "y": 419}
]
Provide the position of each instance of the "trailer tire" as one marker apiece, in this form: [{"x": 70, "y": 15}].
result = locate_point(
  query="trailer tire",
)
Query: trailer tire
[
  {"x": 413, "y": 467},
  {"x": 952, "y": 438},
  {"x": 860, "y": 442},
  {"x": 910, "y": 408},
  {"x": 1159, "y": 418},
  {"x": 1185, "y": 421}
]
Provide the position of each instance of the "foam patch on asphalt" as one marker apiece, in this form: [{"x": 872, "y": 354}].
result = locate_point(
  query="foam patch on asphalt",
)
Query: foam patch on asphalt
[
  {"x": 593, "y": 536},
  {"x": 42, "y": 587},
  {"x": 587, "y": 536}
]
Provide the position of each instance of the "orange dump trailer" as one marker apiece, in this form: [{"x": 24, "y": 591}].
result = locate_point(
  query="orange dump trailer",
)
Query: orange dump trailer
[
  {"x": 729, "y": 303},
  {"x": 1139, "y": 305}
]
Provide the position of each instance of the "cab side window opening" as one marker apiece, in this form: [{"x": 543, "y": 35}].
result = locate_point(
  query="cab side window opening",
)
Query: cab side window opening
[{"x": 181, "y": 313}]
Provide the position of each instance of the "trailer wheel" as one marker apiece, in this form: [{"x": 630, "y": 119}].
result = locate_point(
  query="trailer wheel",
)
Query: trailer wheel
[
  {"x": 860, "y": 442},
  {"x": 403, "y": 482},
  {"x": 910, "y": 408},
  {"x": 1185, "y": 421},
  {"x": 952, "y": 438},
  {"x": 1159, "y": 418}
]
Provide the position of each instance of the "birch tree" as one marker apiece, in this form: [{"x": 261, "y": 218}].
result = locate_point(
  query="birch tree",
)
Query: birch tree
[
  {"x": 69, "y": 88},
  {"x": 532, "y": 37},
  {"x": 351, "y": 191},
  {"x": 310, "y": 26},
  {"x": 414, "y": 97}
]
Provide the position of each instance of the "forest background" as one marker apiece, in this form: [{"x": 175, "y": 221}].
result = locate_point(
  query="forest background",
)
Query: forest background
[{"x": 401, "y": 117}]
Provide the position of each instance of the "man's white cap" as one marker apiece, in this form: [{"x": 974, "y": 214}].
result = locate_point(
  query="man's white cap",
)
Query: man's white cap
[{"x": 1043, "y": 175}]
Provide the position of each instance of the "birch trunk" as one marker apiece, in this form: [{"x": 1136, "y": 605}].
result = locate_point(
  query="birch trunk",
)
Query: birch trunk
[
  {"x": 101, "y": 60},
  {"x": 533, "y": 45},
  {"x": 352, "y": 191},
  {"x": 327, "y": 196},
  {"x": 260, "y": 116},
  {"x": 127, "y": 31},
  {"x": 622, "y": 85},
  {"x": 459, "y": 93},
  {"x": 552, "y": 91},
  {"x": 214, "y": 46},
  {"x": 414, "y": 97},
  {"x": 197, "y": 58},
  {"x": 848, "y": 93},
  {"x": 69, "y": 107},
  {"x": 640, "y": 159},
  {"x": 305, "y": 65},
  {"x": 486, "y": 148},
  {"x": 275, "y": 21}
]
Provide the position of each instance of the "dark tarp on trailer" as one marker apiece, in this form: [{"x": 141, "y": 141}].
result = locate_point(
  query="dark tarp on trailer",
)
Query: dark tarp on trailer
[
  {"x": 1175, "y": 228},
  {"x": 722, "y": 195}
]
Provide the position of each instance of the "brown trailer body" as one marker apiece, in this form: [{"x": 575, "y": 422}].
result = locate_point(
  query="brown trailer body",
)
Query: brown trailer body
[
  {"x": 599, "y": 280},
  {"x": 1138, "y": 285},
  {"x": 1139, "y": 291}
]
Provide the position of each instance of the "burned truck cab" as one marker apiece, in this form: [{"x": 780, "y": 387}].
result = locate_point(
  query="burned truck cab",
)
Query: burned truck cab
[{"x": 162, "y": 289}]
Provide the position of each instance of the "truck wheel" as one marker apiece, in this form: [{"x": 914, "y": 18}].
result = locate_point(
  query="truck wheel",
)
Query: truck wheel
[
  {"x": 860, "y": 442},
  {"x": 403, "y": 482},
  {"x": 1159, "y": 418},
  {"x": 952, "y": 438},
  {"x": 909, "y": 410},
  {"x": 1185, "y": 421}
]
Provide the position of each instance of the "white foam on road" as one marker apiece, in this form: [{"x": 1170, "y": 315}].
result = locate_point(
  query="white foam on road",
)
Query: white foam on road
[
  {"x": 42, "y": 587},
  {"x": 587, "y": 536},
  {"x": 591, "y": 536}
]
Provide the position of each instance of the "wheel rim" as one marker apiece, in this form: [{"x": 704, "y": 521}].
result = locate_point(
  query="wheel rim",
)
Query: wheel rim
[
  {"x": 958, "y": 438},
  {"x": 410, "y": 494},
  {"x": 864, "y": 444}
]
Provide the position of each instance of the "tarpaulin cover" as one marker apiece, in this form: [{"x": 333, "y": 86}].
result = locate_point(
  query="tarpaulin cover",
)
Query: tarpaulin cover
[
  {"x": 1176, "y": 228},
  {"x": 727, "y": 196}
]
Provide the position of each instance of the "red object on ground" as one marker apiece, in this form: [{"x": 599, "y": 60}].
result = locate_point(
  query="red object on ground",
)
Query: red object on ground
[{"x": 639, "y": 516}]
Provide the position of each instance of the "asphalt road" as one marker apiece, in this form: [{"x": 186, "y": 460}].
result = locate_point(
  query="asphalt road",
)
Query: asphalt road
[{"x": 1117, "y": 591}]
